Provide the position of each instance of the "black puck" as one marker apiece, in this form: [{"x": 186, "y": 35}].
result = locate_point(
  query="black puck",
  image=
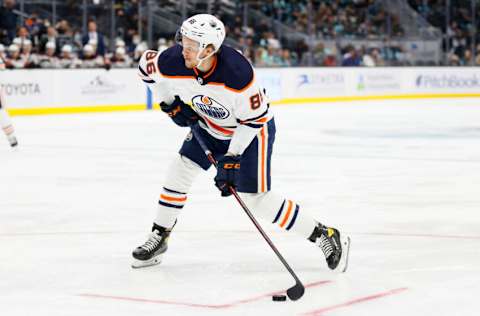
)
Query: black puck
[{"x": 279, "y": 298}]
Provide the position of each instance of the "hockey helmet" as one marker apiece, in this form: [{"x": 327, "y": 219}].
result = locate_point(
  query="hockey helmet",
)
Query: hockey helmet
[{"x": 205, "y": 29}]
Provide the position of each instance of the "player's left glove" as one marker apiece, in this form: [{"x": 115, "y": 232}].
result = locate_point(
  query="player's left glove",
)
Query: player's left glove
[
  {"x": 180, "y": 112},
  {"x": 227, "y": 173}
]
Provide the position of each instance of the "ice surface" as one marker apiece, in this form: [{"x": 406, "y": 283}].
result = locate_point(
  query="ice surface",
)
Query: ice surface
[{"x": 403, "y": 178}]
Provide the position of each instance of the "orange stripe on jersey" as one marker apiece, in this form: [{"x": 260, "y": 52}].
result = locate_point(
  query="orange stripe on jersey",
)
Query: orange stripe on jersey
[
  {"x": 232, "y": 89},
  {"x": 173, "y": 199},
  {"x": 287, "y": 215},
  {"x": 212, "y": 82},
  {"x": 218, "y": 128},
  {"x": 214, "y": 66},
  {"x": 262, "y": 134},
  {"x": 244, "y": 88},
  {"x": 262, "y": 120},
  {"x": 178, "y": 77}
]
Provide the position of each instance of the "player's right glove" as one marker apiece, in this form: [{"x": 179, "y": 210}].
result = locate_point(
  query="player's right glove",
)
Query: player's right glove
[
  {"x": 227, "y": 174},
  {"x": 180, "y": 112}
]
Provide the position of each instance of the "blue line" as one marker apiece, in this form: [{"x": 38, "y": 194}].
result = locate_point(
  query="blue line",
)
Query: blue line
[{"x": 149, "y": 99}]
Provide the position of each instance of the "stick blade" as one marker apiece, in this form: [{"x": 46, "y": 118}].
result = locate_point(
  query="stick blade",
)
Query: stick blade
[{"x": 296, "y": 291}]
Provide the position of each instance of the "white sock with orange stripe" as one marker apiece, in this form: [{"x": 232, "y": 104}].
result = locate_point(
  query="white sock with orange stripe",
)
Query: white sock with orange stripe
[
  {"x": 173, "y": 197},
  {"x": 285, "y": 213},
  {"x": 6, "y": 123}
]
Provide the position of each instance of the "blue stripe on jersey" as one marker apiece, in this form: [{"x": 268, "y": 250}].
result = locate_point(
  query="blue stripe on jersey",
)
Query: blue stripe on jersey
[
  {"x": 279, "y": 212},
  {"x": 169, "y": 205},
  {"x": 253, "y": 125},
  {"x": 172, "y": 191},
  {"x": 294, "y": 218},
  {"x": 253, "y": 118}
]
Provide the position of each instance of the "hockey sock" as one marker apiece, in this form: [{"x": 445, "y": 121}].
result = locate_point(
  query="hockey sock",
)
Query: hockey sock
[
  {"x": 285, "y": 213},
  {"x": 170, "y": 204},
  {"x": 5, "y": 123},
  {"x": 173, "y": 197}
]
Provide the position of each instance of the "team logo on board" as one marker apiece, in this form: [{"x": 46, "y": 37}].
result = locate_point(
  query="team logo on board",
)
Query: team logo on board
[{"x": 210, "y": 107}]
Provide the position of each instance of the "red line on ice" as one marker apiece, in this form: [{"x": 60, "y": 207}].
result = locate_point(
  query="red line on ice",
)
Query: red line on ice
[
  {"x": 212, "y": 306},
  {"x": 322, "y": 310}
]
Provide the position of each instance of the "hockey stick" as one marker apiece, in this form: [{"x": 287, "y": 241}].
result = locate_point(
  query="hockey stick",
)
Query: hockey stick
[{"x": 296, "y": 291}]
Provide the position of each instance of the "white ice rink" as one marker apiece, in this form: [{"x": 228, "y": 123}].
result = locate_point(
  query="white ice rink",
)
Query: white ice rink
[{"x": 403, "y": 178}]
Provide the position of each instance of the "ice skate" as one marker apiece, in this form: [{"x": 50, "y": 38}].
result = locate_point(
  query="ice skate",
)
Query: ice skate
[
  {"x": 334, "y": 245},
  {"x": 12, "y": 140},
  {"x": 151, "y": 252}
]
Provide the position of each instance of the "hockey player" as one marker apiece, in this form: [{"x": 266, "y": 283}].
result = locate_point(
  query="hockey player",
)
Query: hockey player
[
  {"x": 5, "y": 122},
  {"x": 239, "y": 129}
]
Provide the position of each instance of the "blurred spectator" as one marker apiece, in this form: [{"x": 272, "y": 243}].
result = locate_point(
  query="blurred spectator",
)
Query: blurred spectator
[
  {"x": 8, "y": 21},
  {"x": 65, "y": 35},
  {"x": 120, "y": 59},
  {"x": 260, "y": 56},
  {"x": 377, "y": 57},
  {"x": 22, "y": 38},
  {"x": 30, "y": 59},
  {"x": 330, "y": 59},
  {"x": 68, "y": 59},
  {"x": 14, "y": 60},
  {"x": 49, "y": 60},
  {"x": 467, "y": 58},
  {"x": 90, "y": 60},
  {"x": 94, "y": 37},
  {"x": 35, "y": 27},
  {"x": 351, "y": 57},
  {"x": 49, "y": 37},
  {"x": 453, "y": 60},
  {"x": 319, "y": 54},
  {"x": 367, "y": 60},
  {"x": 286, "y": 59}
]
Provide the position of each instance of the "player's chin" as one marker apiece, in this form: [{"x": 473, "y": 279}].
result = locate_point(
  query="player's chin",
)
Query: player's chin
[{"x": 190, "y": 64}]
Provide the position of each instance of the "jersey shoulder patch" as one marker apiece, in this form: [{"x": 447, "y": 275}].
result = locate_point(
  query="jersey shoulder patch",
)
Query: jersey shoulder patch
[{"x": 237, "y": 70}]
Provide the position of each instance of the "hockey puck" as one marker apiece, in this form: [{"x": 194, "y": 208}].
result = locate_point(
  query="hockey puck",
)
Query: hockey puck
[{"x": 279, "y": 298}]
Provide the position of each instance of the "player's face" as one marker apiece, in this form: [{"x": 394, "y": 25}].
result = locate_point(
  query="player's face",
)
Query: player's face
[{"x": 189, "y": 51}]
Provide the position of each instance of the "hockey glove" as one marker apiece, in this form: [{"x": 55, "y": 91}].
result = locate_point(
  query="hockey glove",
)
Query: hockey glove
[
  {"x": 227, "y": 173},
  {"x": 180, "y": 112}
]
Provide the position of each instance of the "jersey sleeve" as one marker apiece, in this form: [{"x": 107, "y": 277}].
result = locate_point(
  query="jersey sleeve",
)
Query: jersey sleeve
[
  {"x": 251, "y": 111},
  {"x": 149, "y": 73}
]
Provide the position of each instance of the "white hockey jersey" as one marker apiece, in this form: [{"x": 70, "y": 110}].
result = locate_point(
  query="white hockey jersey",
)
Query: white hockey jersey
[{"x": 227, "y": 97}]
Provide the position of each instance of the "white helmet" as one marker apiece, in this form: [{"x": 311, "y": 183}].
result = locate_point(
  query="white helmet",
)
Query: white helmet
[{"x": 205, "y": 29}]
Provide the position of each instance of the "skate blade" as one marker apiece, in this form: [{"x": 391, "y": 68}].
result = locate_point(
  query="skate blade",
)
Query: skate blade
[
  {"x": 343, "y": 264},
  {"x": 136, "y": 264}
]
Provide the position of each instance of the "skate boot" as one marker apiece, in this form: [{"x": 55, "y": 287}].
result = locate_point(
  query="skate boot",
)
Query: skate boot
[
  {"x": 151, "y": 252},
  {"x": 12, "y": 140},
  {"x": 334, "y": 245}
]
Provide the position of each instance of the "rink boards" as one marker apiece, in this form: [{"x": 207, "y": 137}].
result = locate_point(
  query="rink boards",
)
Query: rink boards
[{"x": 97, "y": 90}]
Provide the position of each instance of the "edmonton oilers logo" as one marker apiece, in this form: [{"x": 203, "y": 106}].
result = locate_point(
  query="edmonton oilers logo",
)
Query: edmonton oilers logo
[{"x": 210, "y": 107}]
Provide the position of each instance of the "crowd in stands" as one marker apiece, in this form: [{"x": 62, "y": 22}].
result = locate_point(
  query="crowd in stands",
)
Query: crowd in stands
[
  {"x": 462, "y": 30},
  {"x": 40, "y": 44},
  {"x": 334, "y": 18}
]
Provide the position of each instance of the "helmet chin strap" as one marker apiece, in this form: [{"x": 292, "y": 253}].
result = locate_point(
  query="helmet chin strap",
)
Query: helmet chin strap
[{"x": 201, "y": 60}]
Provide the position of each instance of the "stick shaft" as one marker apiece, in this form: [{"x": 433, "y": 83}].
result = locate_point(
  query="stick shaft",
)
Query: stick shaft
[{"x": 208, "y": 153}]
